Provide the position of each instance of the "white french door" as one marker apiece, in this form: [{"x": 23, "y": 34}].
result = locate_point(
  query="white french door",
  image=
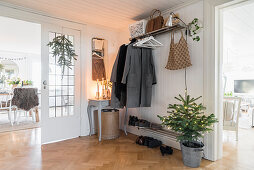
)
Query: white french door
[{"x": 60, "y": 109}]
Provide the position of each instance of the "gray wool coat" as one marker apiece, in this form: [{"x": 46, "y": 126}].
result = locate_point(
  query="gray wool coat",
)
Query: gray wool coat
[{"x": 139, "y": 75}]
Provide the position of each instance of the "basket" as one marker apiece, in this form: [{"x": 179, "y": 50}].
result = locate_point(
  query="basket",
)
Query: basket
[
  {"x": 109, "y": 123},
  {"x": 138, "y": 28}
]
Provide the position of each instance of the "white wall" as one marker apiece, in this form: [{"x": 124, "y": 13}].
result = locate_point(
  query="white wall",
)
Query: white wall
[
  {"x": 27, "y": 69},
  {"x": 113, "y": 40},
  {"x": 111, "y": 48},
  {"x": 171, "y": 83}
]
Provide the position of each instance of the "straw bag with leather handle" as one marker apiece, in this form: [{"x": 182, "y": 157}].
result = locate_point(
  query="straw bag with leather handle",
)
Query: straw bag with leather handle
[
  {"x": 154, "y": 23},
  {"x": 179, "y": 56}
]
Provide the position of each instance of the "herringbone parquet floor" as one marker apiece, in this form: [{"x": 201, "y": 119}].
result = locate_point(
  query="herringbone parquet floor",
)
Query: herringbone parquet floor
[{"x": 21, "y": 150}]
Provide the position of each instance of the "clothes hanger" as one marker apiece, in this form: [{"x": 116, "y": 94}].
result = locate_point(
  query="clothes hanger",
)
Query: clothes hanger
[
  {"x": 97, "y": 55},
  {"x": 148, "y": 42}
]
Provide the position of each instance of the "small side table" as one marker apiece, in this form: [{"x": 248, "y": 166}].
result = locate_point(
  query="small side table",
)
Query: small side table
[{"x": 96, "y": 104}]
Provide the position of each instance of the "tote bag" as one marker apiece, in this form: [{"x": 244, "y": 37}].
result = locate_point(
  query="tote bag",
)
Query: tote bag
[
  {"x": 179, "y": 56},
  {"x": 154, "y": 23}
]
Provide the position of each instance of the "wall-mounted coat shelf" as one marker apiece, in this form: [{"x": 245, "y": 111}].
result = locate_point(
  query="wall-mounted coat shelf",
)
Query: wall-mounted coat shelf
[{"x": 162, "y": 30}]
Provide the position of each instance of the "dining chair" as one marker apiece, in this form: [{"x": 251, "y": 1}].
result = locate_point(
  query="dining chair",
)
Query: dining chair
[
  {"x": 30, "y": 113},
  {"x": 231, "y": 112},
  {"x": 5, "y": 105}
]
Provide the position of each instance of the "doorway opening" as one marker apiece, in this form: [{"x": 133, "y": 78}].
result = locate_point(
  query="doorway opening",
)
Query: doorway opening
[
  {"x": 237, "y": 77},
  {"x": 20, "y": 67}
]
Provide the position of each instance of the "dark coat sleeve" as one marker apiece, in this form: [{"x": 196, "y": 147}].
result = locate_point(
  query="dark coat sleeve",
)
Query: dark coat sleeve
[
  {"x": 127, "y": 65},
  {"x": 114, "y": 69},
  {"x": 154, "y": 74}
]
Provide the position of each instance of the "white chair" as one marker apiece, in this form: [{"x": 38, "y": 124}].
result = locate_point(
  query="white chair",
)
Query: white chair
[
  {"x": 5, "y": 105},
  {"x": 231, "y": 112},
  {"x": 30, "y": 113}
]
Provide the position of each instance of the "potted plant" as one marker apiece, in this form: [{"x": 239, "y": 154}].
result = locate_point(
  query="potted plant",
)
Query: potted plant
[
  {"x": 190, "y": 122},
  {"x": 63, "y": 48},
  {"x": 14, "y": 82},
  {"x": 27, "y": 83}
]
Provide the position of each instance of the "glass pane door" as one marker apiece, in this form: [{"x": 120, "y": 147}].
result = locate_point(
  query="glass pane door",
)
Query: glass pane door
[
  {"x": 61, "y": 87},
  {"x": 60, "y": 93}
]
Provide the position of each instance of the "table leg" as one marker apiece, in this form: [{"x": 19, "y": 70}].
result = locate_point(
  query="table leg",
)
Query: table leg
[
  {"x": 125, "y": 121},
  {"x": 30, "y": 113},
  {"x": 37, "y": 114},
  {"x": 89, "y": 118},
  {"x": 99, "y": 118}
]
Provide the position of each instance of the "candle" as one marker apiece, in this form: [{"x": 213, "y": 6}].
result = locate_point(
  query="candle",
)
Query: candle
[
  {"x": 97, "y": 85},
  {"x": 98, "y": 90}
]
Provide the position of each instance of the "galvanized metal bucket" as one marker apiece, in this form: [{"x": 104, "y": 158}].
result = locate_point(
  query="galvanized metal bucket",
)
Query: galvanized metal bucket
[{"x": 192, "y": 156}]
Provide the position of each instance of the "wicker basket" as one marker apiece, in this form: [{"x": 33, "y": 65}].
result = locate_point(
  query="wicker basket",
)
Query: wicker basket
[
  {"x": 109, "y": 124},
  {"x": 138, "y": 28}
]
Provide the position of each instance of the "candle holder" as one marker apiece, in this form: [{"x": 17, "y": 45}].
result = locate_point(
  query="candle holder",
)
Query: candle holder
[{"x": 97, "y": 96}]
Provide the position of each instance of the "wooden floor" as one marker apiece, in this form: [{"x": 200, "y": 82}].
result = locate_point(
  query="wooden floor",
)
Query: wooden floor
[{"x": 22, "y": 150}]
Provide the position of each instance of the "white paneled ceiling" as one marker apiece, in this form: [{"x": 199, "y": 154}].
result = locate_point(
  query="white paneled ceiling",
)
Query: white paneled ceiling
[
  {"x": 111, "y": 13},
  {"x": 239, "y": 27}
]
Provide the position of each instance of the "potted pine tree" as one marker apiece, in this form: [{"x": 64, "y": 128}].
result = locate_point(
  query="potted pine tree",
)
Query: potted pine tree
[{"x": 190, "y": 122}]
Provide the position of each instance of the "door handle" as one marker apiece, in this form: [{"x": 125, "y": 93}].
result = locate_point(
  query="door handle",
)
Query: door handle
[{"x": 44, "y": 82}]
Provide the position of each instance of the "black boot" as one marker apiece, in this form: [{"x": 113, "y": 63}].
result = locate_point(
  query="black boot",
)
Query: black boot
[
  {"x": 140, "y": 140},
  {"x": 154, "y": 143},
  {"x": 147, "y": 140},
  {"x": 166, "y": 150},
  {"x": 130, "y": 120}
]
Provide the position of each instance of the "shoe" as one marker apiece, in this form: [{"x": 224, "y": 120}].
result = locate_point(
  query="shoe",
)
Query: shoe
[
  {"x": 140, "y": 140},
  {"x": 166, "y": 150},
  {"x": 135, "y": 119},
  {"x": 130, "y": 120},
  {"x": 154, "y": 143},
  {"x": 143, "y": 123},
  {"x": 155, "y": 126},
  {"x": 147, "y": 140}
]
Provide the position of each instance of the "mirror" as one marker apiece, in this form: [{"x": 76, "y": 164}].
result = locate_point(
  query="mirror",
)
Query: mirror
[
  {"x": 9, "y": 69},
  {"x": 98, "y": 64}
]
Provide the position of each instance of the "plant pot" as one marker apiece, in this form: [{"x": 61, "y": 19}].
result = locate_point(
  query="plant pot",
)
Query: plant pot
[
  {"x": 192, "y": 156},
  {"x": 14, "y": 86}
]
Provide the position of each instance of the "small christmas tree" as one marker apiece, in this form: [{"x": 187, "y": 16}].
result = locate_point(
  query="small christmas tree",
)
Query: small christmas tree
[{"x": 188, "y": 119}]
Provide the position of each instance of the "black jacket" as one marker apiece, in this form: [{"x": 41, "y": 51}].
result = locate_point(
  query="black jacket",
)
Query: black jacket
[{"x": 118, "y": 96}]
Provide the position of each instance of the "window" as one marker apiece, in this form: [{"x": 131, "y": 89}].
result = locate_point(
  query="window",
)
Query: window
[{"x": 61, "y": 88}]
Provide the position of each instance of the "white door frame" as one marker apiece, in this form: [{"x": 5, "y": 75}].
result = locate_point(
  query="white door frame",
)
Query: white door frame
[
  {"x": 25, "y": 14},
  {"x": 213, "y": 93}
]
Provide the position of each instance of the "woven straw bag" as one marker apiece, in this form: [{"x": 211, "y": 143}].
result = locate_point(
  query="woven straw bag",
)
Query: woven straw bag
[{"x": 179, "y": 56}]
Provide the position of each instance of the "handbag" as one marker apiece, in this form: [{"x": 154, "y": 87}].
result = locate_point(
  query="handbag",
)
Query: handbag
[
  {"x": 179, "y": 56},
  {"x": 154, "y": 23}
]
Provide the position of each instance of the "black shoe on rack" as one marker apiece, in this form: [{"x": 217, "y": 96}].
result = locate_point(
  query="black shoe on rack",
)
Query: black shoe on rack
[
  {"x": 143, "y": 123},
  {"x": 155, "y": 126},
  {"x": 135, "y": 120},
  {"x": 130, "y": 120}
]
